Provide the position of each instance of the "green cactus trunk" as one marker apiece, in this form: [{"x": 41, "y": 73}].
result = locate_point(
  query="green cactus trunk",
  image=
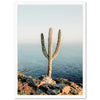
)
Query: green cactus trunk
[{"x": 49, "y": 56}]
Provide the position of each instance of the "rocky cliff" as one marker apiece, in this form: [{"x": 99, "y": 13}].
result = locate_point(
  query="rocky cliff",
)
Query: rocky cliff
[{"x": 44, "y": 85}]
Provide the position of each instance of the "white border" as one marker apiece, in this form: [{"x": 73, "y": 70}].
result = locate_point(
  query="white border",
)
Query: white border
[{"x": 84, "y": 48}]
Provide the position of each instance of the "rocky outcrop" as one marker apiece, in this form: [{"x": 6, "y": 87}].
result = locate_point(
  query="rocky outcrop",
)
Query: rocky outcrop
[{"x": 44, "y": 85}]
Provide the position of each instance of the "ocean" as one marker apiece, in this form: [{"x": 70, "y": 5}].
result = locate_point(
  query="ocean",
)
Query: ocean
[{"x": 68, "y": 63}]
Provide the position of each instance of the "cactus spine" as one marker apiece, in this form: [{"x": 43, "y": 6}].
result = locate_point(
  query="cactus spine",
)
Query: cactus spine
[{"x": 49, "y": 56}]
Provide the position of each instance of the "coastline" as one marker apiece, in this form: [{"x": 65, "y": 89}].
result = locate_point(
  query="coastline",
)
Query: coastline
[{"x": 28, "y": 85}]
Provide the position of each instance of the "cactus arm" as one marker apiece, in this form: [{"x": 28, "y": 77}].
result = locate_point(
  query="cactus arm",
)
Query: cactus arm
[
  {"x": 50, "y": 43},
  {"x": 43, "y": 46},
  {"x": 58, "y": 45},
  {"x": 50, "y": 52}
]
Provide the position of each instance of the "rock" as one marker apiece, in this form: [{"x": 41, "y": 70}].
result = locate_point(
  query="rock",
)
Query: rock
[
  {"x": 25, "y": 89},
  {"x": 44, "y": 87},
  {"x": 47, "y": 86},
  {"x": 51, "y": 86},
  {"x": 59, "y": 86},
  {"x": 81, "y": 85},
  {"x": 29, "y": 76},
  {"x": 43, "y": 77},
  {"x": 66, "y": 90},
  {"x": 60, "y": 80},
  {"x": 53, "y": 82},
  {"x": 74, "y": 91},
  {"x": 46, "y": 80},
  {"x": 31, "y": 83},
  {"x": 23, "y": 79},
  {"x": 40, "y": 92},
  {"x": 21, "y": 75},
  {"x": 80, "y": 92},
  {"x": 72, "y": 84},
  {"x": 51, "y": 92},
  {"x": 57, "y": 91},
  {"x": 56, "y": 86},
  {"x": 36, "y": 81}
]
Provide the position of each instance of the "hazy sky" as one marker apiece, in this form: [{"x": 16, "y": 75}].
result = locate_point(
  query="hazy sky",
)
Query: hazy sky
[{"x": 36, "y": 19}]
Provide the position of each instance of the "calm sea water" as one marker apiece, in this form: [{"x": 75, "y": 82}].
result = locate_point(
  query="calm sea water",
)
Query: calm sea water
[{"x": 67, "y": 64}]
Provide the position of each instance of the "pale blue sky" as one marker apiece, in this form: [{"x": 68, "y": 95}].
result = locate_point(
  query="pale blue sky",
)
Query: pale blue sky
[{"x": 36, "y": 19}]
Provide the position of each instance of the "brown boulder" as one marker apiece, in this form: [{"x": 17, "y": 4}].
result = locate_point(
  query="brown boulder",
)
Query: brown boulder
[
  {"x": 61, "y": 80},
  {"x": 29, "y": 76},
  {"x": 80, "y": 92},
  {"x": 66, "y": 90}
]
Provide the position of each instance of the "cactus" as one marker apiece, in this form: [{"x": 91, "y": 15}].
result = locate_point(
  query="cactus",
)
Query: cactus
[{"x": 49, "y": 56}]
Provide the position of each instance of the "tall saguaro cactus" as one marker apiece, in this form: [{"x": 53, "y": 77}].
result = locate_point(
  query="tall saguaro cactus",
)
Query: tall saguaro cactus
[{"x": 49, "y": 56}]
